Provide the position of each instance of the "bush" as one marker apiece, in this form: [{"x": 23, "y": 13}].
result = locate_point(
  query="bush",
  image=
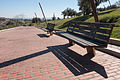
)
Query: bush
[
  {"x": 36, "y": 20},
  {"x": 31, "y": 24},
  {"x": 10, "y": 23}
]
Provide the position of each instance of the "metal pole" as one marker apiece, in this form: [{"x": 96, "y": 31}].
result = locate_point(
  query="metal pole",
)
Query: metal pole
[
  {"x": 54, "y": 17},
  {"x": 94, "y": 10},
  {"x": 36, "y": 18},
  {"x": 43, "y": 13},
  {"x": 109, "y": 2},
  {"x": 35, "y": 15}
]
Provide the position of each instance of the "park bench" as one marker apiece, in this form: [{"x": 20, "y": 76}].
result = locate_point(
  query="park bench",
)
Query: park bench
[
  {"x": 88, "y": 35},
  {"x": 50, "y": 28}
]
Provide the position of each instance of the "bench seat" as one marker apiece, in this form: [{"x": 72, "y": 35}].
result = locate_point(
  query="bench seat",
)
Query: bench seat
[{"x": 81, "y": 40}]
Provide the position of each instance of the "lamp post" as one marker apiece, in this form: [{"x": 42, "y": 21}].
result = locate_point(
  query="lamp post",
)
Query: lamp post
[
  {"x": 36, "y": 21},
  {"x": 43, "y": 13},
  {"x": 109, "y": 2}
]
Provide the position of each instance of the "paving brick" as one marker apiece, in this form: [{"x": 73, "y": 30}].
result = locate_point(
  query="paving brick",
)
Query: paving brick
[
  {"x": 111, "y": 78},
  {"x": 117, "y": 76},
  {"x": 112, "y": 74},
  {"x": 87, "y": 77},
  {"x": 32, "y": 57},
  {"x": 97, "y": 78}
]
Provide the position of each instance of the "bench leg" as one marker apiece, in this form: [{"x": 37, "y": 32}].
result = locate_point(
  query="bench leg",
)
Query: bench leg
[
  {"x": 71, "y": 43},
  {"x": 91, "y": 50},
  {"x": 51, "y": 33},
  {"x": 48, "y": 32}
]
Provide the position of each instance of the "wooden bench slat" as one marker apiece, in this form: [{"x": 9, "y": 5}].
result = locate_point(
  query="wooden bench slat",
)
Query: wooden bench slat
[
  {"x": 80, "y": 31},
  {"x": 101, "y": 37},
  {"x": 81, "y": 27},
  {"x": 107, "y": 25},
  {"x": 83, "y": 40},
  {"x": 106, "y": 31},
  {"x": 88, "y": 34},
  {"x": 80, "y": 40}
]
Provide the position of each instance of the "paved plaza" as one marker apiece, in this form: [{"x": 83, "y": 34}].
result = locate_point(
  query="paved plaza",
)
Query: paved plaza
[{"x": 27, "y": 53}]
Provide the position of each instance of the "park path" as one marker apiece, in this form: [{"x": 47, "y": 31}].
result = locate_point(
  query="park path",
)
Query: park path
[{"x": 26, "y": 53}]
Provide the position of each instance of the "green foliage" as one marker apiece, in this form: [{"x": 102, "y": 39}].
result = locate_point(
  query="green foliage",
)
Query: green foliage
[
  {"x": 58, "y": 18},
  {"x": 116, "y": 33},
  {"x": 69, "y": 12},
  {"x": 111, "y": 16},
  {"x": 10, "y": 23},
  {"x": 85, "y": 5},
  {"x": 36, "y": 20},
  {"x": 6, "y": 27},
  {"x": 110, "y": 19},
  {"x": 108, "y": 16},
  {"x": 58, "y": 23},
  {"x": 53, "y": 18}
]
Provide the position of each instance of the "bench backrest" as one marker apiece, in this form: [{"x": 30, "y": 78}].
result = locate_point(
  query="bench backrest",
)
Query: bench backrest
[
  {"x": 50, "y": 26},
  {"x": 96, "y": 31}
]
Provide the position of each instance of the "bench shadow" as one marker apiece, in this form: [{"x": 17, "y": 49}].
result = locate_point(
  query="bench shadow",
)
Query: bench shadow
[
  {"x": 75, "y": 62},
  {"x": 43, "y": 35},
  {"x": 13, "y": 61}
]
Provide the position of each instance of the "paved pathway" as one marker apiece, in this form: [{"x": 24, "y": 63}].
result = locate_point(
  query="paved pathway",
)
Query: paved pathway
[{"x": 26, "y": 53}]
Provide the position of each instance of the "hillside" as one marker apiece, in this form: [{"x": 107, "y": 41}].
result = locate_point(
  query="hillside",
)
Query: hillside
[{"x": 108, "y": 16}]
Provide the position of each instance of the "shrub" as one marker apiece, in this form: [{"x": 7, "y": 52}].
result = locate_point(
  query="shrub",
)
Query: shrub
[
  {"x": 10, "y": 23},
  {"x": 36, "y": 20}
]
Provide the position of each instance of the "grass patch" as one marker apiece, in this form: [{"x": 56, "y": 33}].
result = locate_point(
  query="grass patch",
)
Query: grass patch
[
  {"x": 116, "y": 33},
  {"x": 58, "y": 23},
  {"x": 108, "y": 16},
  {"x": 6, "y": 27}
]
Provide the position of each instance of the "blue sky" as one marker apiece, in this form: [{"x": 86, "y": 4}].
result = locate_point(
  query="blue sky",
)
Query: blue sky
[{"x": 11, "y": 8}]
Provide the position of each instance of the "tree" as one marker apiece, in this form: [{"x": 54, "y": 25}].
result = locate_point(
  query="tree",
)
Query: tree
[
  {"x": 53, "y": 18},
  {"x": 69, "y": 12},
  {"x": 79, "y": 14},
  {"x": 58, "y": 18},
  {"x": 64, "y": 13},
  {"x": 100, "y": 9},
  {"x": 72, "y": 12},
  {"x": 36, "y": 20},
  {"x": 85, "y": 5}
]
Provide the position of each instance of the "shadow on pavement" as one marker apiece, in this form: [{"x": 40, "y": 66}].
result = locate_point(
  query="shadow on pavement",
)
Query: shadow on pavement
[
  {"x": 10, "y": 62},
  {"x": 43, "y": 35},
  {"x": 75, "y": 62}
]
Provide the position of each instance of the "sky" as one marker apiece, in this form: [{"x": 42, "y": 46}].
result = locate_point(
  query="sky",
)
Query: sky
[{"x": 13, "y": 8}]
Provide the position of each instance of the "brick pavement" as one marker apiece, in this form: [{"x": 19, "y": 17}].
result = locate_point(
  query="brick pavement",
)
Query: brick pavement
[{"x": 27, "y": 54}]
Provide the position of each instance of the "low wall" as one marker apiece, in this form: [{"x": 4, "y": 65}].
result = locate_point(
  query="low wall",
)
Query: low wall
[{"x": 114, "y": 41}]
